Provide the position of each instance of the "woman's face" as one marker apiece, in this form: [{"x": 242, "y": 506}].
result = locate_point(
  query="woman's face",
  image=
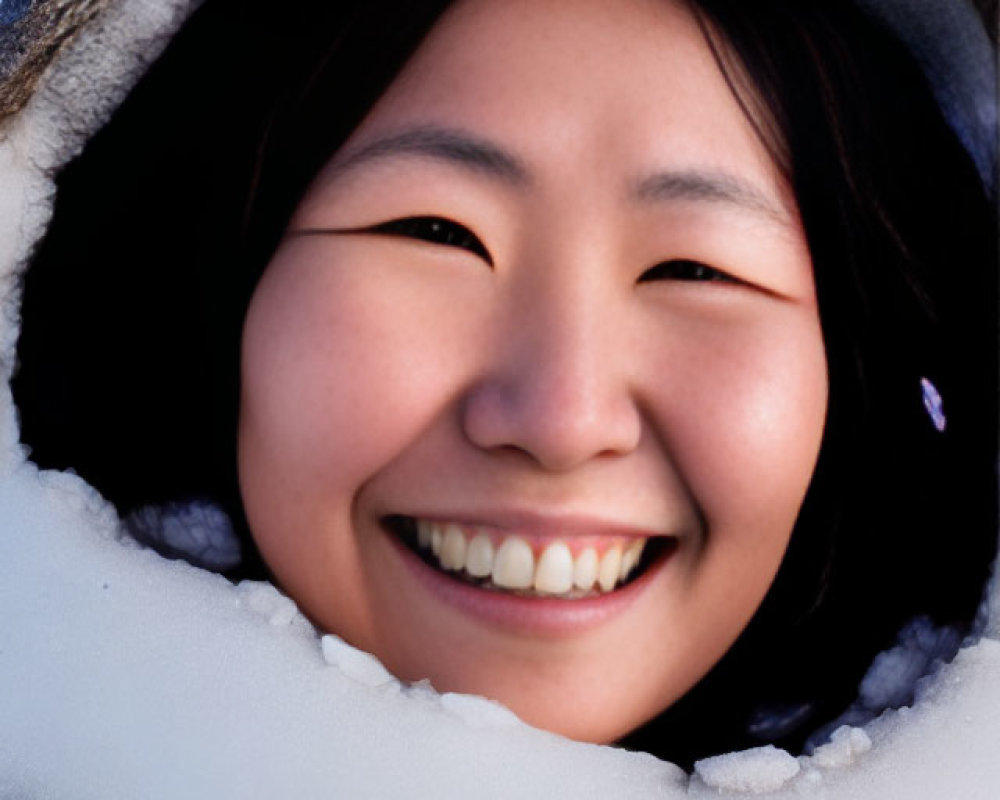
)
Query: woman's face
[{"x": 550, "y": 304}]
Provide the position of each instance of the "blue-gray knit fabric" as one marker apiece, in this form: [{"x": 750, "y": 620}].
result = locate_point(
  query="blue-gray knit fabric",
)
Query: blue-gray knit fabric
[{"x": 949, "y": 40}]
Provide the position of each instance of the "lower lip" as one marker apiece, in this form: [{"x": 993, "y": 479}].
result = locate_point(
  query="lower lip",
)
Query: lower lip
[{"x": 543, "y": 616}]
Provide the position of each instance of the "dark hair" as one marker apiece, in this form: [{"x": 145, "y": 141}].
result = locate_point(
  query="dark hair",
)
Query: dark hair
[
  {"x": 205, "y": 162},
  {"x": 128, "y": 358},
  {"x": 899, "y": 520}
]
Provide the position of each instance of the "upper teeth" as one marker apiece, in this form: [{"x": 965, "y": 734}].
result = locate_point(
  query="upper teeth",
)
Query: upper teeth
[{"x": 510, "y": 561}]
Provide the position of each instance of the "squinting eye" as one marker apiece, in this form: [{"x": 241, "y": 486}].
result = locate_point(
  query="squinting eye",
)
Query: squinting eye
[
  {"x": 684, "y": 270},
  {"x": 436, "y": 230}
]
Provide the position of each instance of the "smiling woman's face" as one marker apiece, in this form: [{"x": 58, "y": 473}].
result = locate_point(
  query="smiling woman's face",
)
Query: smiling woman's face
[{"x": 550, "y": 306}]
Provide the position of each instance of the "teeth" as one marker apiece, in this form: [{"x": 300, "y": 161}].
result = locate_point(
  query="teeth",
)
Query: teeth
[
  {"x": 555, "y": 570},
  {"x": 453, "y": 548},
  {"x": 513, "y": 564},
  {"x": 424, "y": 529},
  {"x": 631, "y": 558},
  {"x": 608, "y": 572},
  {"x": 585, "y": 570},
  {"x": 479, "y": 557}
]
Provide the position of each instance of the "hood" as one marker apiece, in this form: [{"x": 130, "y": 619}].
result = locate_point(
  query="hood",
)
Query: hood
[{"x": 123, "y": 671}]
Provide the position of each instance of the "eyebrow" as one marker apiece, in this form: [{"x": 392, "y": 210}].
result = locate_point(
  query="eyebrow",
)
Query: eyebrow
[
  {"x": 442, "y": 144},
  {"x": 707, "y": 187},
  {"x": 484, "y": 157}
]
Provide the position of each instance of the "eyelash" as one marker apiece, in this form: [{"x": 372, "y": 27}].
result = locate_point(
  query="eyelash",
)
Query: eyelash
[
  {"x": 439, "y": 230},
  {"x": 686, "y": 270},
  {"x": 436, "y": 230}
]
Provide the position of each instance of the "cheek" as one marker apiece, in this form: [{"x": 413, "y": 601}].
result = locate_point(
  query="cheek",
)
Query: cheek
[
  {"x": 769, "y": 407},
  {"x": 334, "y": 382},
  {"x": 744, "y": 411},
  {"x": 341, "y": 365},
  {"x": 348, "y": 357}
]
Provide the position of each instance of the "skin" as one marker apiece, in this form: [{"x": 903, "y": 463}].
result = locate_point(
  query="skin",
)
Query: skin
[{"x": 567, "y": 379}]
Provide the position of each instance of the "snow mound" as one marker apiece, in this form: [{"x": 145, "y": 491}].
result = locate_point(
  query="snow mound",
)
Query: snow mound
[
  {"x": 125, "y": 665},
  {"x": 755, "y": 771},
  {"x": 844, "y": 747},
  {"x": 357, "y": 665}
]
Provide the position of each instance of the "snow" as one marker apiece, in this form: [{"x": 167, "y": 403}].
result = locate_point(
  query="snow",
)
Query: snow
[
  {"x": 845, "y": 746},
  {"x": 124, "y": 675},
  {"x": 894, "y": 671},
  {"x": 198, "y": 531},
  {"x": 896, "y": 674},
  {"x": 357, "y": 665},
  {"x": 755, "y": 771},
  {"x": 121, "y": 665},
  {"x": 126, "y": 666},
  {"x": 478, "y": 711}
]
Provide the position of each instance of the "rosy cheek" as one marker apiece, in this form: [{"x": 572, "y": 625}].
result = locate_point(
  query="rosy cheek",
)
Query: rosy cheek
[
  {"x": 745, "y": 411},
  {"x": 347, "y": 356}
]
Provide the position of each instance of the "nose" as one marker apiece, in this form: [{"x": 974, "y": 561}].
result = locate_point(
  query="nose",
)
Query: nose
[{"x": 556, "y": 385}]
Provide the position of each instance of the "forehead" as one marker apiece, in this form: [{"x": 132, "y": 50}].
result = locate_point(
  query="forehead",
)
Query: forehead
[{"x": 558, "y": 81}]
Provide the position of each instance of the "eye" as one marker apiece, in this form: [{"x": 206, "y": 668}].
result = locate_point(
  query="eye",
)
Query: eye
[
  {"x": 685, "y": 270},
  {"x": 436, "y": 230}
]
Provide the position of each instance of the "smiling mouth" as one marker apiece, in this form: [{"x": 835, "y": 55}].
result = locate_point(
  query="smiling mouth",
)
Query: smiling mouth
[{"x": 568, "y": 568}]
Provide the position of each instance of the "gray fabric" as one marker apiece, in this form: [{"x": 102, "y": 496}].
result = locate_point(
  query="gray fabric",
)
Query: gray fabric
[
  {"x": 31, "y": 34},
  {"x": 950, "y": 42}
]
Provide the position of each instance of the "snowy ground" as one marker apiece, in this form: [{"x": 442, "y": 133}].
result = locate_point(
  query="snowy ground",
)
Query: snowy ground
[
  {"x": 123, "y": 675},
  {"x": 126, "y": 675}
]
